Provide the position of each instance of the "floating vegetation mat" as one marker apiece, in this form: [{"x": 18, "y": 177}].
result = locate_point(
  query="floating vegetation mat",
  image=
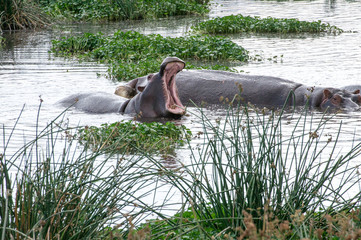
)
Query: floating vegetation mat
[
  {"x": 241, "y": 24},
  {"x": 132, "y": 54},
  {"x": 133, "y": 137}
]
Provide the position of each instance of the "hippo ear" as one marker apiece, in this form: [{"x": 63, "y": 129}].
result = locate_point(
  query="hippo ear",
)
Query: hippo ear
[
  {"x": 356, "y": 91},
  {"x": 326, "y": 94}
]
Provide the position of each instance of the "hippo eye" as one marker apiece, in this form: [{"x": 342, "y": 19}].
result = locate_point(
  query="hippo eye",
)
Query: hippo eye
[{"x": 336, "y": 100}]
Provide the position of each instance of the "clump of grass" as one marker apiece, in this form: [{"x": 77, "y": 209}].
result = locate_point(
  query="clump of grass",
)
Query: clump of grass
[
  {"x": 249, "y": 177},
  {"x": 130, "y": 136},
  {"x": 52, "y": 188},
  {"x": 131, "y": 54},
  {"x": 240, "y": 24},
  {"x": 20, "y": 14},
  {"x": 95, "y": 10},
  {"x": 340, "y": 225}
]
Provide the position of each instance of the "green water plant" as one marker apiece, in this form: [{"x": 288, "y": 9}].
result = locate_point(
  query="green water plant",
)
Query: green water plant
[
  {"x": 132, "y": 54},
  {"x": 132, "y": 137},
  {"x": 96, "y": 10},
  {"x": 21, "y": 14},
  {"x": 244, "y": 24}
]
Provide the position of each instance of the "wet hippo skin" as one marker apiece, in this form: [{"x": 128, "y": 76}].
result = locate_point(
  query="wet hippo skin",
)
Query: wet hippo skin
[
  {"x": 159, "y": 98},
  {"x": 210, "y": 87}
]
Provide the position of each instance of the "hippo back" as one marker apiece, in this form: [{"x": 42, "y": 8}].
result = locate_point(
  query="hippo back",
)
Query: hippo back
[{"x": 205, "y": 86}]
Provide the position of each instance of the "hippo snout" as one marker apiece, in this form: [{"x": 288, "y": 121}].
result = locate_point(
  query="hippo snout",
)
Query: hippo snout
[{"x": 339, "y": 102}]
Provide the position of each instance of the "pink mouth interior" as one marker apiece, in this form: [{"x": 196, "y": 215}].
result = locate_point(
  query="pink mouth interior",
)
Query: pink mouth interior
[{"x": 173, "y": 103}]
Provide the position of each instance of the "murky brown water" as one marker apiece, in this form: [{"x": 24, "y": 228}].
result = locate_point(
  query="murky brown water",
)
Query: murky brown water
[{"x": 29, "y": 72}]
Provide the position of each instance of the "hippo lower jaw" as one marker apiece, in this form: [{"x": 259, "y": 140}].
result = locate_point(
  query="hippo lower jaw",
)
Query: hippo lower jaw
[{"x": 172, "y": 104}]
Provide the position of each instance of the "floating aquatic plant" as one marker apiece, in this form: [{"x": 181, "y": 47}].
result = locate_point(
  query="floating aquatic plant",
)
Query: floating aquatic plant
[
  {"x": 130, "y": 136},
  {"x": 132, "y": 54},
  {"x": 243, "y": 24}
]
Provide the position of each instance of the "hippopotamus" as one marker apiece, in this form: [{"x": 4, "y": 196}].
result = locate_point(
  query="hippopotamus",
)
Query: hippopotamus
[
  {"x": 355, "y": 91},
  {"x": 214, "y": 87},
  {"x": 159, "y": 98}
]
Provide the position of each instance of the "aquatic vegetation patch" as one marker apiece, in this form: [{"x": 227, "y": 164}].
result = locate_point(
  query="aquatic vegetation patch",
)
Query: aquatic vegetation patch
[
  {"x": 132, "y": 54},
  {"x": 132, "y": 137},
  {"x": 95, "y": 10},
  {"x": 21, "y": 14},
  {"x": 243, "y": 24}
]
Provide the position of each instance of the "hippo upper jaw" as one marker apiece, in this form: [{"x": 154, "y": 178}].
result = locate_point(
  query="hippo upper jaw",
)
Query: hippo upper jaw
[{"x": 173, "y": 104}]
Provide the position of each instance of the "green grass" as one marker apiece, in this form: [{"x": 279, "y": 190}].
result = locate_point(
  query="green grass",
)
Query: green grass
[
  {"x": 340, "y": 225},
  {"x": 21, "y": 14},
  {"x": 131, "y": 54},
  {"x": 100, "y": 10},
  {"x": 2, "y": 40},
  {"x": 242, "y": 24},
  {"x": 53, "y": 188},
  {"x": 132, "y": 137}
]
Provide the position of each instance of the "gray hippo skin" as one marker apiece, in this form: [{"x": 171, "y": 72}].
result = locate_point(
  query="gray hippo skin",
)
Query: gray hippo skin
[
  {"x": 98, "y": 102},
  {"x": 159, "y": 98},
  {"x": 355, "y": 90},
  {"x": 208, "y": 86}
]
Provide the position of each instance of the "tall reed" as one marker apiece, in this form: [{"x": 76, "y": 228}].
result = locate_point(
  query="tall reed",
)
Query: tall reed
[
  {"x": 51, "y": 188},
  {"x": 249, "y": 170},
  {"x": 20, "y": 14}
]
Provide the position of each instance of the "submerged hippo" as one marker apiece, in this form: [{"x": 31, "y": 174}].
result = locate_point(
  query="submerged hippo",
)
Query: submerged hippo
[
  {"x": 208, "y": 86},
  {"x": 355, "y": 90},
  {"x": 159, "y": 98}
]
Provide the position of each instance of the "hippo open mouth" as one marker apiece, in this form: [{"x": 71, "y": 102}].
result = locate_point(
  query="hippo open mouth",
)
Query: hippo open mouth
[{"x": 172, "y": 103}]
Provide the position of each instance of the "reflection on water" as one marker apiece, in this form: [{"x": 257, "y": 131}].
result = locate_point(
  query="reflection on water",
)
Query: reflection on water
[{"x": 29, "y": 73}]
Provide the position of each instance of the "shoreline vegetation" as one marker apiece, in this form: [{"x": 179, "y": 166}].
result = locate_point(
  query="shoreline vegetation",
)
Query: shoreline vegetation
[
  {"x": 118, "y": 10},
  {"x": 246, "y": 180},
  {"x": 24, "y": 14},
  {"x": 21, "y": 14}
]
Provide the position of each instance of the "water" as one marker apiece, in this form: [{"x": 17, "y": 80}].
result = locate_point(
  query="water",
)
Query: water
[
  {"x": 313, "y": 60},
  {"x": 29, "y": 73}
]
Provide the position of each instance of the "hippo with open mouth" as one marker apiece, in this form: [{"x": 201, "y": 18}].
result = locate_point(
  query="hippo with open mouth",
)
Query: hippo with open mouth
[
  {"x": 159, "y": 98},
  {"x": 213, "y": 87}
]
